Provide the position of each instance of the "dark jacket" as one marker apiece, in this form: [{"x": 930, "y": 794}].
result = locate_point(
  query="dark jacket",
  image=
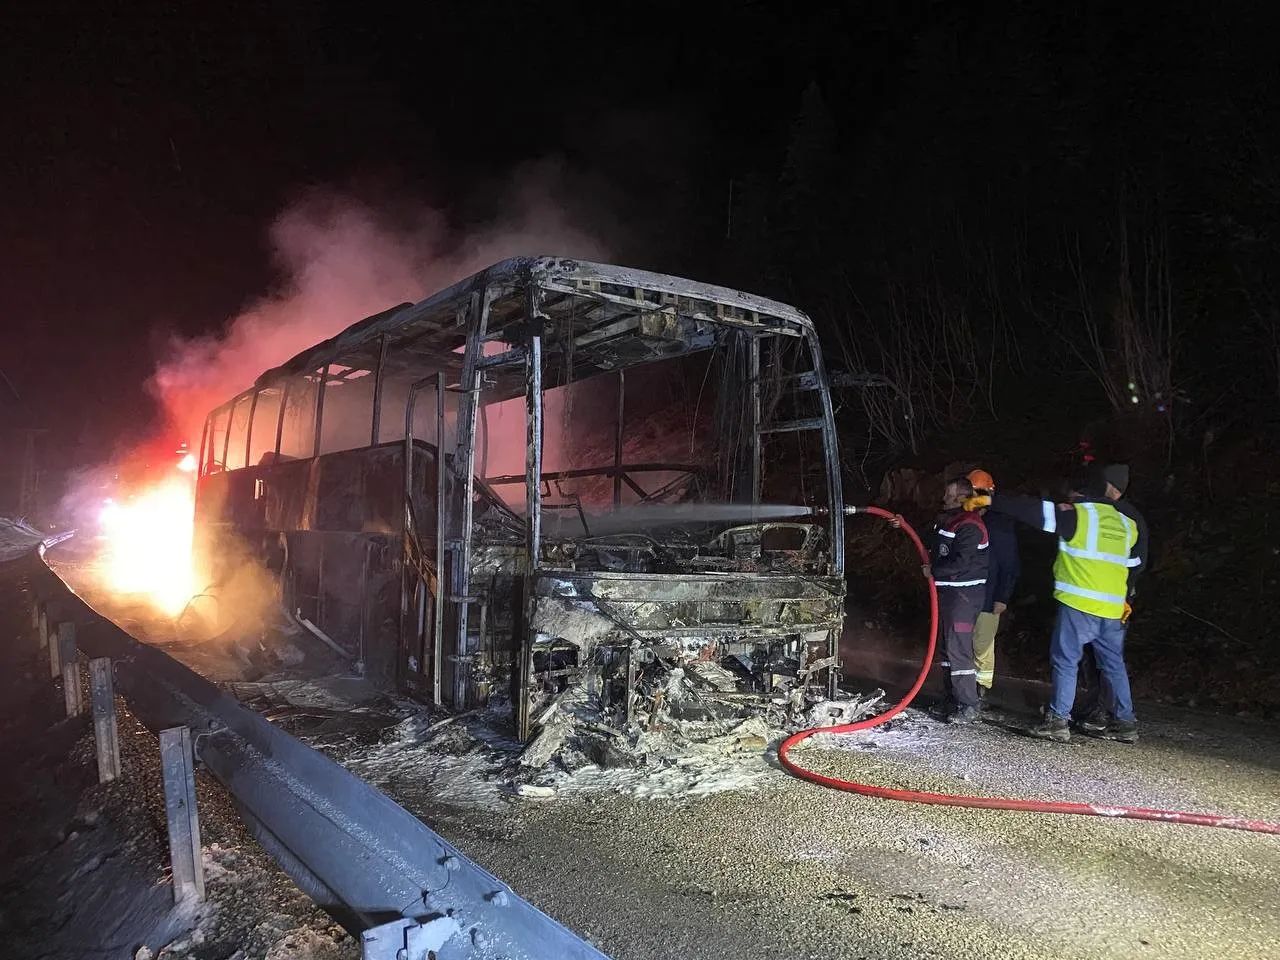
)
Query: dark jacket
[
  {"x": 1139, "y": 551},
  {"x": 1004, "y": 564},
  {"x": 959, "y": 554}
]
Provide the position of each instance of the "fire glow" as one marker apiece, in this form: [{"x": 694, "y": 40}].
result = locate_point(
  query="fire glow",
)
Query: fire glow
[{"x": 148, "y": 540}]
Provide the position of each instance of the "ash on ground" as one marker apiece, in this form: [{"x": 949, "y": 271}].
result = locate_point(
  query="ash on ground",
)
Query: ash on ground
[{"x": 690, "y": 737}]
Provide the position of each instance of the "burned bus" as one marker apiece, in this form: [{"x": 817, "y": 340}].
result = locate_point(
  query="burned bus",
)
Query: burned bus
[{"x": 552, "y": 472}]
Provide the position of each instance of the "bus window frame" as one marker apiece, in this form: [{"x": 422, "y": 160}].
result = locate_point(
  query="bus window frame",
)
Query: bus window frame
[{"x": 226, "y": 442}]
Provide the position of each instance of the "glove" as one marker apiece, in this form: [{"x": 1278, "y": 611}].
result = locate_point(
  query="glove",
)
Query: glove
[
  {"x": 1128, "y": 612},
  {"x": 978, "y": 502}
]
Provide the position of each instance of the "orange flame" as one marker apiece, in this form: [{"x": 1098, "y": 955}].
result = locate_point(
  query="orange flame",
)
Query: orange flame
[{"x": 148, "y": 542}]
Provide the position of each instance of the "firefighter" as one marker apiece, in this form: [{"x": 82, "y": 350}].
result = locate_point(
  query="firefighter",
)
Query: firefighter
[
  {"x": 1097, "y": 549},
  {"x": 1003, "y": 570},
  {"x": 958, "y": 564}
]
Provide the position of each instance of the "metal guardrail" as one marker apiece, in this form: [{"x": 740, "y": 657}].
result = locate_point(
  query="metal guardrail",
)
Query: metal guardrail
[{"x": 379, "y": 870}]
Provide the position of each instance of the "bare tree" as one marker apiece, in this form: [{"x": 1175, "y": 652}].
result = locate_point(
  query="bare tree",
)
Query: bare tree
[
  {"x": 1129, "y": 347},
  {"x": 1265, "y": 310},
  {"x": 1144, "y": 327},
  {"x": 914, "y": 362}
]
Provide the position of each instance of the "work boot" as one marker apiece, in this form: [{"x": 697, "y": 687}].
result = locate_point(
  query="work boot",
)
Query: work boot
[
  {"x": 942, "y": 710},
  {"x": 1124, "y": 731},
  {"x": 1095, "y": 724},
  {"x": 969, "y": 713},
  {"x": 1052, "y": 727}
]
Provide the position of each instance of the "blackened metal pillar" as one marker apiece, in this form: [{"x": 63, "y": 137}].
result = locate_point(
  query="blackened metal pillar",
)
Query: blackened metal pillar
[
  {"x": 753, "y": 411},
  {"x": 533, "y": 504},
  {"x": 377, "y": 391},
  {"x": 248, "y": 428},
  {"x": 437, "y": 622},
  {"x": 831, "y": 455},
  {"x": 464, "y": 464},
  {"x": 319, "y": 432},
  {"x": 835, "y": 493},
  {"x": 533, "y": 447},
  {"x": 618, "y": 438}
]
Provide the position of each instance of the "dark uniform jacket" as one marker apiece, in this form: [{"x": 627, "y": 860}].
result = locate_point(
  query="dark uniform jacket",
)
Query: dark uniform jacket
[
  {"x": 959, "y": 555},
  {"x": 1005, "y": 566}
]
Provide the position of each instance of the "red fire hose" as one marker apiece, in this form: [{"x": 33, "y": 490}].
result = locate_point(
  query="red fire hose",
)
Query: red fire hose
[{"x": 987, "y": 803}]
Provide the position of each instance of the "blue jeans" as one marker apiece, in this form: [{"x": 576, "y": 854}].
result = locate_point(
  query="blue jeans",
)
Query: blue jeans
[{"x": 1073, "y": 630}]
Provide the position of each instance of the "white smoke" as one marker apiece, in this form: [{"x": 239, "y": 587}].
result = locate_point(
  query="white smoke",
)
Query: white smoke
[{"x": 341, "y": 259}]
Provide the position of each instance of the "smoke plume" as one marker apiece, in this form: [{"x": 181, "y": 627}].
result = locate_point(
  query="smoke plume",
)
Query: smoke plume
[{"x": 341, "y": 259}]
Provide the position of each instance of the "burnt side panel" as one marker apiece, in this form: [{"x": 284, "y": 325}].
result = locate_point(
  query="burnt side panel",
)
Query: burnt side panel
[{"x": 330, "y": 530}]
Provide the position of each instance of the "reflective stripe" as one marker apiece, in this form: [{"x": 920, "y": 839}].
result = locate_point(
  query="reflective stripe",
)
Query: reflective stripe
[
  {"x": 1050, "y": 511},
  {"x": 985, "y": 677},
  {"x": 946, "y": 533},
  {"x": 1096, "y": 555},
  {"x": 1091, "y": 537},
  {"x": 964, "y": 673},
  {"x": 959, "y": 583},
  {"x": 944, "y": 663},
  {"x": 1131, "y": 534},
  {"x": 1075, "y": 591},
  {"x": 983, "y": 546}
]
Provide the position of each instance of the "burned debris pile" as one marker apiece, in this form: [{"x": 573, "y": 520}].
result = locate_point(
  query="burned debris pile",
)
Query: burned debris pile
[
  {"x": 685, "y": 740},
  {"x": 679, "y": 714}
]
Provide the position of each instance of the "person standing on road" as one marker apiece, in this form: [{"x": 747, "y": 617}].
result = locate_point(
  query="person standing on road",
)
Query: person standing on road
[
  {"x": 1003, "y": 570},
  {"x": 1096, "y": 551},
  {"x": 1101, "y": 703},
  {"x": 958, "y": 564}
]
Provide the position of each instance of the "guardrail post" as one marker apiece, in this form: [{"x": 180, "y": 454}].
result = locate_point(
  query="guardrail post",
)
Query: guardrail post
[
  {"x": 102, "y": 695},
  {"x": 42, "y": 624},
  {"x": 178, "y": 764},
  {"x": 70, "y": 667},
  {"x": 55, "y": 657}
]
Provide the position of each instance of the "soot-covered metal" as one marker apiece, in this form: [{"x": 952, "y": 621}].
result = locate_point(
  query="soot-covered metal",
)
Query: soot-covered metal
[{"x": 554, "y": 475}]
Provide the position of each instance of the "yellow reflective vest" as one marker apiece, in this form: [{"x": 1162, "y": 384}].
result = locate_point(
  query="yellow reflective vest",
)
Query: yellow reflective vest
[{"x": 1091, "y": 573}]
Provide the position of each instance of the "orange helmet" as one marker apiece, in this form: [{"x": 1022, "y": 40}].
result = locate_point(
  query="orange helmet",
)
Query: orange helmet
[{"x": 982, "y": 480}]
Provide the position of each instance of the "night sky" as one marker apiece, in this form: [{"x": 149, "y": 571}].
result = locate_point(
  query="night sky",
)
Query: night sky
[{"x": 148, "y": 151}]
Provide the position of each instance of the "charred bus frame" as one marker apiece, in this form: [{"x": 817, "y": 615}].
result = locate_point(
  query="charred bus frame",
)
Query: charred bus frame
[{"x": 392, "y": 546}]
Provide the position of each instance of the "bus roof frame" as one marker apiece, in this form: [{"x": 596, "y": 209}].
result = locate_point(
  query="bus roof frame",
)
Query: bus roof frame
[{"x": 428, "y": 335}]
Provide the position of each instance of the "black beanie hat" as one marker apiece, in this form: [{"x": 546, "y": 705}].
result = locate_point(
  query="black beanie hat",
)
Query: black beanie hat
[{"x": 1117, "y": 474}]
